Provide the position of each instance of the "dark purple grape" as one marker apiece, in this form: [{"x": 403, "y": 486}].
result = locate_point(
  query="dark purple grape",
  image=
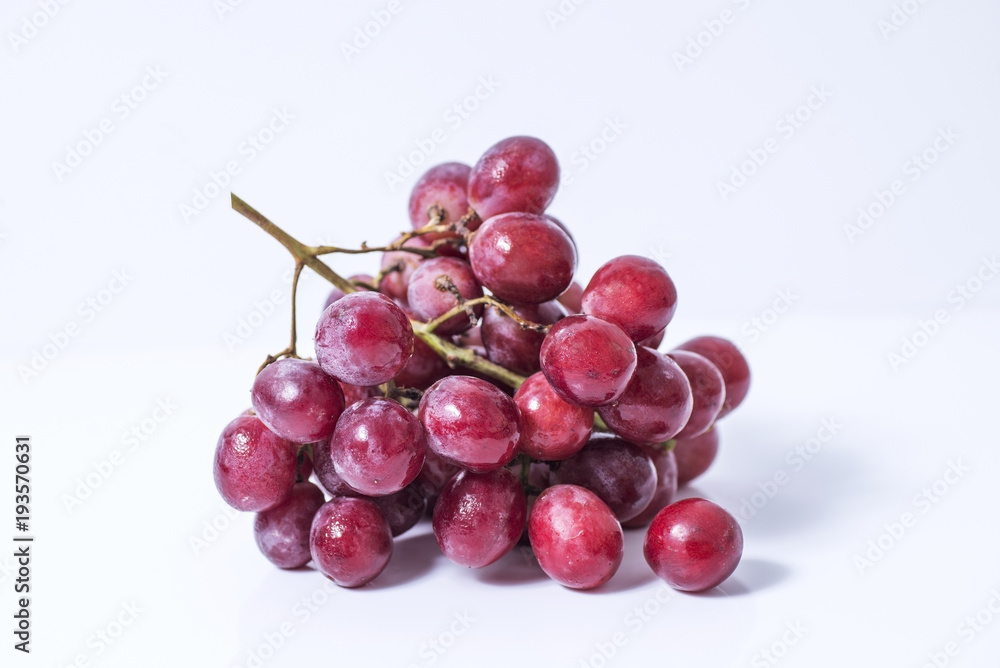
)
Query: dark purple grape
[
  {"x": 515, "y": 174},
  {"x": 622, "y": 474},
  {"x": 254, "y": 468},
  {"x": 588, "y": 361},
  {"x": 350, "y": 541},
  {"x": 551, "y": 428},
  {"x": 479, "y": 517},
  {"x": 282, "y": 533},
  {"x": 731, "y": 364},
  {"x": 470, "y": 422},
  {"x": 575, "y": 537},
  {"x": 510, "y": 345},
  {"x": 666, "y": 486},
  {"x": 403, "y": 509},
  {"x": 695, "y": 455},
  {"x": 327, "y": 474},
  {"x": 429, "y": 297},
  {"x": 378, "y": 447},
  {"x": 297, "y": 400},
  {"x": 657, "y": 403},
  {"x": 693, "y": 545},
  {"x": 708, "y": 391},
  {"x": 363, "y": 339},
  {"x": 522, "y": 258},
  {"x": 633, "y": 292}
]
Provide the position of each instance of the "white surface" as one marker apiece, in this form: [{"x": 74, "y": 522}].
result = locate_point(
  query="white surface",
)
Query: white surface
[{"x": 653, "y": 191}]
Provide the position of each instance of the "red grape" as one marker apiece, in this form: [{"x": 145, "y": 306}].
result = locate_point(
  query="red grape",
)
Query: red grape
[
  {"x": 572, "y": 298},
  {"x": 350, "y": 541},
  {"x": 693, "y": 545},
  {"x": 470, "y": 422},
  {"x": 428, "y": 299},
  {"x": 394, "y": 283},
  {"x": 402, "y": 509},
  {"x": 443, "y": 186},
  {"x": 731, "y": 364},
  {"x": 695, "y": 455},
  {"x": 666, "y": 486},
  {"x": 337, "y": 293},
  {"x": 515, "y": 174},
  {"x": 363, "y": 339},
  {"x": 282, "y": 533},
  {"x": 522, "y": 258},
  {"x": 575, "y": 537},
  {"x": 551, "y": 428},
  {"x": 297, "y": 400},
  {"x": 708, "y": 391},
  {"x": 655, "y": 340},
  {"x": 479, "y": 517},
  {"x": 424, "y": 368},
  {"x": 510, "y": 345},
  {"x": 327, "y": 474},
  {"x": 633, "y": 292},
  {"x": 254, "y": 468},
  {"x": 588, "y": 361},
  {"x": 657, "y": 403},
  {"x": 622, "y": 474},
  {"x": 378, "y": 447},
  {"x": 355, "y": 393}
]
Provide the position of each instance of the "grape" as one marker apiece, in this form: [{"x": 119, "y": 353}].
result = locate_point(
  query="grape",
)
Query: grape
[
  {"x": 575, "y": 537},
  {"x": 588, "y": 361},
  {"x": 350, "y": 541},
  {"x": 622, "y": 474},
  {"x": 479, "y": 517},
  {"x": 428, "y": 299},
  {"x": 695, "y": 455},
  {"x": 282, "y": 533},
  {"x": 515, "y": 174},
  {"x": 444, "y": 187},
  {"x": 337, "y": 293},
  {"x": 254, "y": 468},
  {"x": 522, "y": 258},
  {"x": 655, "y": 340},
  {"x": 562, "y": 226},
  {"x": 402, "y": 509},
  {"x": 633, "y": 292},
  {"x": 513, "y": 347},
  {"x": 394, "y": 283},
  {"x": 657, "y": 403},
  {"x": 355, "y": 393},
  {"x": 551, "y": 428},
  {"x": 708, "y": 391},
  {"x": 572, "y": 298},
  {"x": 470, "y": 422},
  {"x": 435, "y": 474},
  {"x": 297, "y": 400},
  {"x": 327, "y": 474},
  {"x": 423, "y": 369},
  {"x": 731, "y": 364},
  {"x": 363, "y": 339},
  {"x": 666, "y": 486},
  {"x": 378, "y": 447},
  {"x": 693, "y": 545}
]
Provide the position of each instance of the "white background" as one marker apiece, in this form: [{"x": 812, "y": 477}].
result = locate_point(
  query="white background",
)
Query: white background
[{"x": 681, "y": 130}]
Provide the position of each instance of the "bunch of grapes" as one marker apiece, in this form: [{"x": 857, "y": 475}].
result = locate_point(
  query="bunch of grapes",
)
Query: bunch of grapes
[{"x": 472, "y": 380}]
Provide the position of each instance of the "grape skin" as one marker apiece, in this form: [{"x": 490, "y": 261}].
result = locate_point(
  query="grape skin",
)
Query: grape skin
[
  {"x": 363, "y": 339},
  {"x": 254, "y": 468},
  {"x": 479, "y": 517},
  {"x": 515, "y": 174},
  {"x": 297, "y": 400},
  {"x": 428, "y": 302},
  {"x": 350, "y": 541},
  {"x": 693, "y": 545},
  {"x": 522, "y": 258},
  {"x": 731, "y": 364},
  {"x": 282, "y": 533},
  {"x": 588, "y": 361},
  {"x": 443, "y": 186},
  {"x": 708, "y": 391},
  {"x": 633, "y": 292},
  {"x": 470, "y": 422},
  {"x": 551, "y": 428},
  {"x": 575, "y": 537},
  {"x": 378, "y": 447},
  {"x": 510, "y": 345},
  {"x": 695, "y": 455}
]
